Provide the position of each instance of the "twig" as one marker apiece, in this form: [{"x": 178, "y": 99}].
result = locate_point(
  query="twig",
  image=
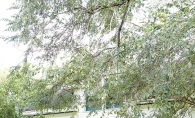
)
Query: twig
[{"x": 98, "y": 53}]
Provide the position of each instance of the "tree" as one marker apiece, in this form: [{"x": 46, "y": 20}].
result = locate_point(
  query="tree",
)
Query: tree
[
  {"x": 9, "y": 105},
  {"x": 150, "y": 59}
]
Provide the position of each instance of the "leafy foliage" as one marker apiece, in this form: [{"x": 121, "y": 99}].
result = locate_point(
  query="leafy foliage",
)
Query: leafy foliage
[
  {"x": 9, "y": 105},
  {"x": 151, "y": 59}
]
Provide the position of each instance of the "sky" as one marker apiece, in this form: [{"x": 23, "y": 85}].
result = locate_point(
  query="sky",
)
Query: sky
[{"x": 9, "y": 55}]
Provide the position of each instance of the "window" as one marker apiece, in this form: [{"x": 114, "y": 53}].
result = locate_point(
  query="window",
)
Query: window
[{"x": 94, "y": 103}]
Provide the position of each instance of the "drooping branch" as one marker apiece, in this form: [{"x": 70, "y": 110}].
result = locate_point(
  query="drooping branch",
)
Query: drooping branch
[
  {"x": 99, "y": 8},
  {"x": 122, "y": 22},
  {"x": 98, "y": 53}
]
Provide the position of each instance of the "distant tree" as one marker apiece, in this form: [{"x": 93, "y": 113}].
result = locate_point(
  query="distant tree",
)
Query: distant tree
[
  {"x": 153, "y": 58},
  {"x": 8, "y": 105}
]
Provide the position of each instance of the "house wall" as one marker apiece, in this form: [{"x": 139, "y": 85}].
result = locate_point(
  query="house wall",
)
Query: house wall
[
  {"x": 107, "y": 115},
  {"x": 82, "y": 113},
  {"x": 61, "y": 115}
]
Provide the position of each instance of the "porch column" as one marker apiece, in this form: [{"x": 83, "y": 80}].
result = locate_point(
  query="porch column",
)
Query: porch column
[{"x": 82, "y": 101}]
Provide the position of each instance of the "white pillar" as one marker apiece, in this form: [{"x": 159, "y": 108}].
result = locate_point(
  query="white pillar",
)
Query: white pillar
[{"x": 82, "y": 101}]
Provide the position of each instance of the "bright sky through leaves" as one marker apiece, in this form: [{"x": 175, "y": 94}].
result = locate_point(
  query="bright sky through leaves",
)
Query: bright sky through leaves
[{"x": 9, "y": 55}]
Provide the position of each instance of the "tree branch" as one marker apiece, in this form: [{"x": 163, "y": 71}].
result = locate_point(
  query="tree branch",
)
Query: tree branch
[
  {"x": 122, "y": 22},
  {"x": 98, "y": 53},
  {"x": 99, "y": 8}
]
